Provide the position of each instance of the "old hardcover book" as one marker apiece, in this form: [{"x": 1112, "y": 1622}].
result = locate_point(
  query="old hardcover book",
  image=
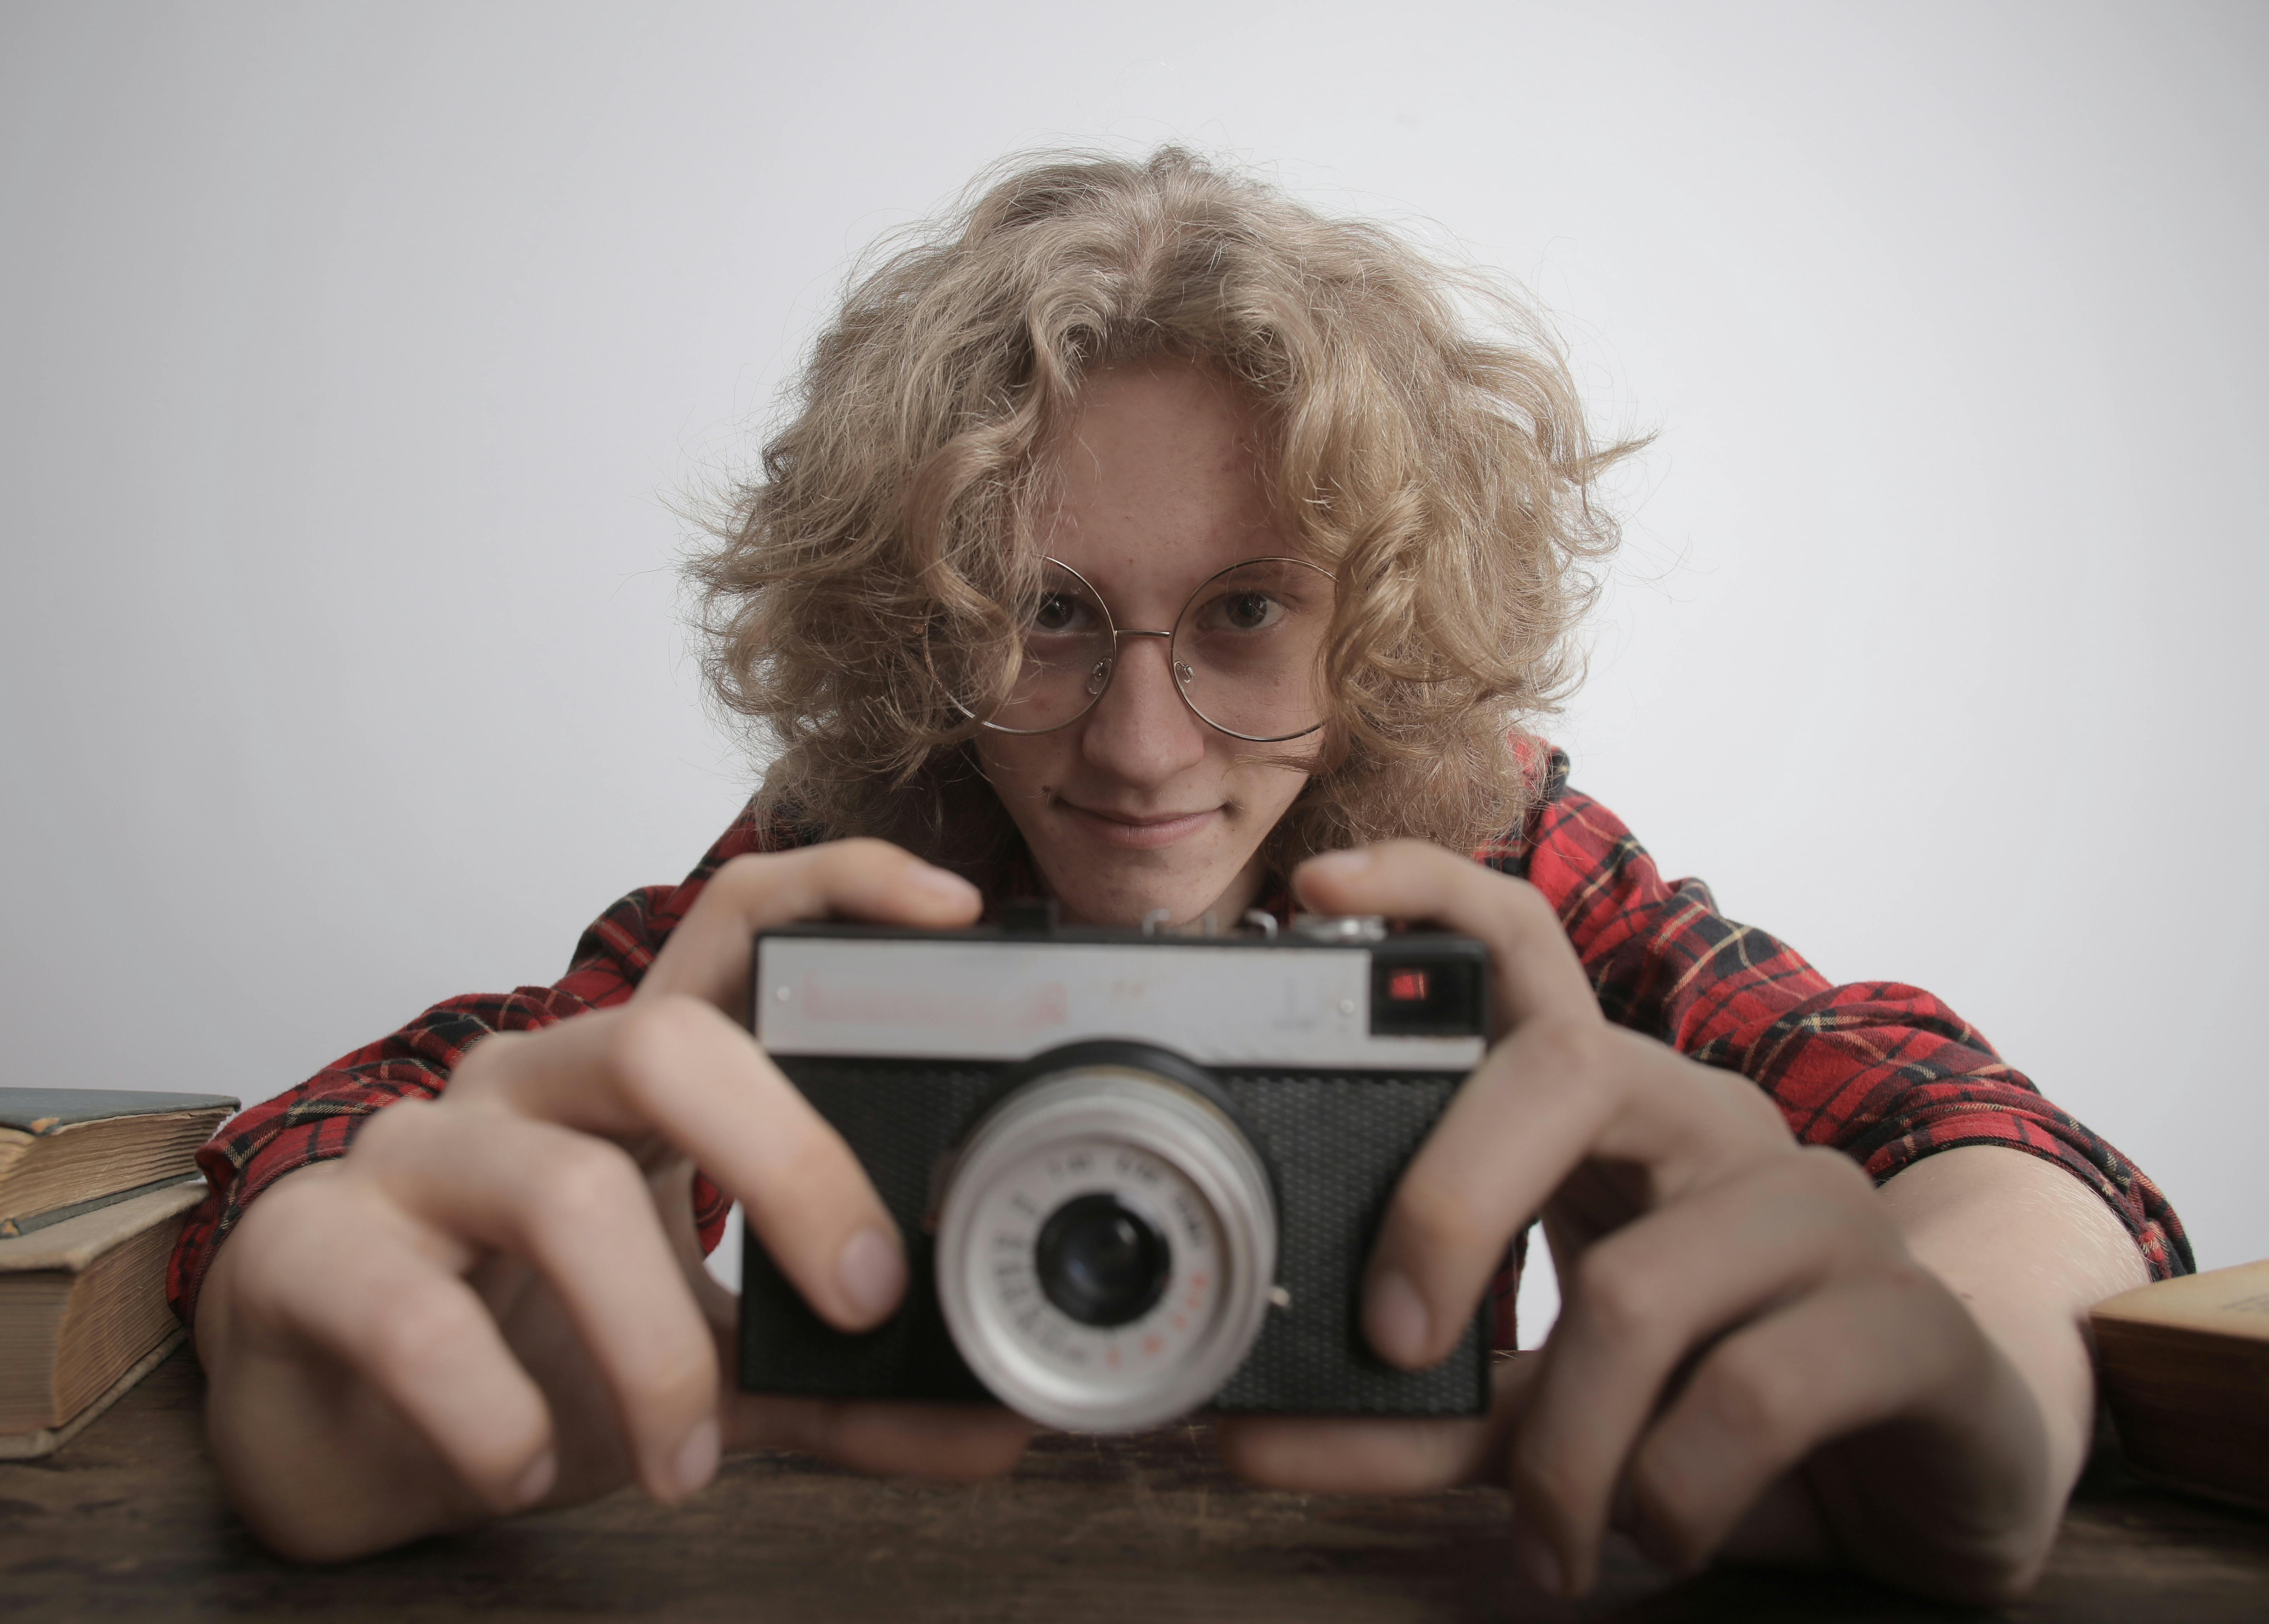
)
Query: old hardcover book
[
  {"x": 63, "y": 1151},
  {"x": 82, "y": 1303},
  {"x": 2185, "y": 1366}
]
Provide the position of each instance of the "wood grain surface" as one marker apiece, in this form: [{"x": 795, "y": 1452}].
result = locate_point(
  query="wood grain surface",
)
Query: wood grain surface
[{"x": 129, "y": 1523}]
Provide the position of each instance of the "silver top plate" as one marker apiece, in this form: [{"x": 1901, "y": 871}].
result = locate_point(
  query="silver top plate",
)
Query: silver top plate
[{"x": 956, "y": 999}]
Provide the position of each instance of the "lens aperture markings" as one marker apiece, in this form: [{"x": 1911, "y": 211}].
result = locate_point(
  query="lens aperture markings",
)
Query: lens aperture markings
[{"x": 1120, "y": 1276}]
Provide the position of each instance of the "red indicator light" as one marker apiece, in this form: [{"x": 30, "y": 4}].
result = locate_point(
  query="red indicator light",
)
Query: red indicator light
[{"x": 1406, "y": 987}]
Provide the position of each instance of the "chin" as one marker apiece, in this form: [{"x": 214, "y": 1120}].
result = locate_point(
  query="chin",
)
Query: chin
[
  {"x": 1118, "y": 908},
  {"x": 1131, "y": 902}
]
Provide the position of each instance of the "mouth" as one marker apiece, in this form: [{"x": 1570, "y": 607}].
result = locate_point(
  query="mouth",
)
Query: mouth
[{"x": 1139, "y": 831}]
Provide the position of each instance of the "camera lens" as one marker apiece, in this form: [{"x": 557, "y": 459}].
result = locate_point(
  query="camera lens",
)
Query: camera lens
[
  {"x": 1101, "y": 1262},
  {"x": 1107, "y": 1239}
]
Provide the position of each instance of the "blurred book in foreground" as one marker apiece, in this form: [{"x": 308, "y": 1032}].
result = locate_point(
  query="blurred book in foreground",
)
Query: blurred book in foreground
[
  {"x": 83, "y": 1314},
  {"x": 63, "y": 1151},
  {"x": 2185, "y": 1366}
]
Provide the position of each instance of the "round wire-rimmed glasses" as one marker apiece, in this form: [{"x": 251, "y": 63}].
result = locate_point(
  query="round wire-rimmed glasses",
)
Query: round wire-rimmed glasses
[{"x": 1245, "y": 652}]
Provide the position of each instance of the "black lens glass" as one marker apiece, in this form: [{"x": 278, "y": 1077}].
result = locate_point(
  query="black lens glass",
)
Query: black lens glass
[{"x": 1100, "y": 1262}]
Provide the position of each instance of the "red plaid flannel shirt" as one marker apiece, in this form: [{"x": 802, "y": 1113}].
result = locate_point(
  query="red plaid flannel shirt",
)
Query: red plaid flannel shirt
[{"x": 1883, "y": 1072}]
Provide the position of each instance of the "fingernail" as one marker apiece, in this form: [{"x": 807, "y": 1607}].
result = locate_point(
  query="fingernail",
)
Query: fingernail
[
  {"x": 1335, "y": 864},
  {"x": 942, "y": 884},
  {"x": 1395, "y": 1317},
  {"x": 697, "y": 1456},
  {"x": 536, "y": 1482},
  {"x": 1534, "y": 1554},
  {"x": 871, "y": 1274}
]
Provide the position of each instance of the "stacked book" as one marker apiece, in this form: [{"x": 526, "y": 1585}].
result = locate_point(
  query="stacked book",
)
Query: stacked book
[
  {"x": 95, "y": 1185},
  {"x": 2185, "y": 1366}
]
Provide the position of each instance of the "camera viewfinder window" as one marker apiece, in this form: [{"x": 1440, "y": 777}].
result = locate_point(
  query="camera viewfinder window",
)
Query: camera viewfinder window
[{"x": 1435, "y": 997}]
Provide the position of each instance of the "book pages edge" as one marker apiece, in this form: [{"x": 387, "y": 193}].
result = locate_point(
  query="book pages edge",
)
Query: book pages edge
[{"x": 47, "y": 1440}]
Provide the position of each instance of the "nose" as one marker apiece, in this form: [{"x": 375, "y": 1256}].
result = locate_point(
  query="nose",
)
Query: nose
[{"x": 1140, "y": 731}]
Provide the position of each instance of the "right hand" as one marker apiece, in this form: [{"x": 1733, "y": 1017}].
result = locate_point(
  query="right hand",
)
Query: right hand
[{"x": 497, "y": 1299}]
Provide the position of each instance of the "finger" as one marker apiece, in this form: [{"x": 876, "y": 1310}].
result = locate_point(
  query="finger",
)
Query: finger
[
  {"x": 707, "y": 955},
  {"x": 1535, "y": 973},
  {"x": 349, "y": 1275},
  {"x": 681, "y": 1069},
  {"x": 1639, "y": 1302},
  {"x": 577, "y": 1208},
  {"x": 1543, "y": 1100},
  {"x": 1891, "y": 1345},
  {"x": 954, "y": 1442},
  {"x": 1379, "y": 1454}
]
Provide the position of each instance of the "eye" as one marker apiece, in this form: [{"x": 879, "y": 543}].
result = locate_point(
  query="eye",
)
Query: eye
[
  {"x": 1244, "y": 611},
  {"x": 1059, "y": 611},
  {"x": 1248, "y": 611}
]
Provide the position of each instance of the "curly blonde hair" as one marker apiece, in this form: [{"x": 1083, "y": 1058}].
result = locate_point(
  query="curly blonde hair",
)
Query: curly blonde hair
[{"x": 1422, "y": 438}]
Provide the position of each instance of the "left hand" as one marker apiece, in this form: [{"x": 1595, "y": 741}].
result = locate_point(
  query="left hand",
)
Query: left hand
[{"x": 1747, "y": 1361}]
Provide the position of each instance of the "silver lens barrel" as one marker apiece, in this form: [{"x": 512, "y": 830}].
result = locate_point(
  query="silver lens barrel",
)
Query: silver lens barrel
[{"x": 1156, "y": 1297}]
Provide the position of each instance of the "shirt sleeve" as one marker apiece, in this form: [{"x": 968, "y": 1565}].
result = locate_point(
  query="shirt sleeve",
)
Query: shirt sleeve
[
  {"x": 1879, "y": 1070},
  {"x": 318, "y": 1120}
]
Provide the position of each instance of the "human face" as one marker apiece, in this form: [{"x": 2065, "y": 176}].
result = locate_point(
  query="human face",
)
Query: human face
[{"x": 1138, "y": 805}]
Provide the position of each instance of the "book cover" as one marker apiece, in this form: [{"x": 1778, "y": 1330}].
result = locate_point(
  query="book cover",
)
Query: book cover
[{"x": 37, "y": 1113}]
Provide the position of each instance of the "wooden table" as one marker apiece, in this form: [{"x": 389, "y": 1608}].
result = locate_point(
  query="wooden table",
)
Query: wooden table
[{"x": 128, "y": 1522}]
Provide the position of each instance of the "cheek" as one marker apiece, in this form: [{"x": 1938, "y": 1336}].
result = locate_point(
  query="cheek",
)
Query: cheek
[
  {"x": 1021, "y": 768},
  {"x": 1268, "y": 793}
]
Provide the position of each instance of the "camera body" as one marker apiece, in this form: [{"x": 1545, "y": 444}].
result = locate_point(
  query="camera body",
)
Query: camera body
[{"x": 1136, "y": 1173}]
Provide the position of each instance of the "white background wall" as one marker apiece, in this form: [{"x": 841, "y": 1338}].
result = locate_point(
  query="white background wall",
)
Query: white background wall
[{"x": 353, "y": 357}]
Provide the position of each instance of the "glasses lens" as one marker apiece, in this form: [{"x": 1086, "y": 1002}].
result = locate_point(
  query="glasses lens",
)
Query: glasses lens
[
  {"x": 1065, "y": 653},
  {"x": 1248, "y": 651}
]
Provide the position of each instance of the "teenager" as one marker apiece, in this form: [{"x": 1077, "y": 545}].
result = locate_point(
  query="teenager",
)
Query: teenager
[{"x": 1143, "y": 538}]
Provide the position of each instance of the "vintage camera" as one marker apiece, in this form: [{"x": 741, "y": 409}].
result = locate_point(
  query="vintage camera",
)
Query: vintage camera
[{"x": 1136, "y": 1173}]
